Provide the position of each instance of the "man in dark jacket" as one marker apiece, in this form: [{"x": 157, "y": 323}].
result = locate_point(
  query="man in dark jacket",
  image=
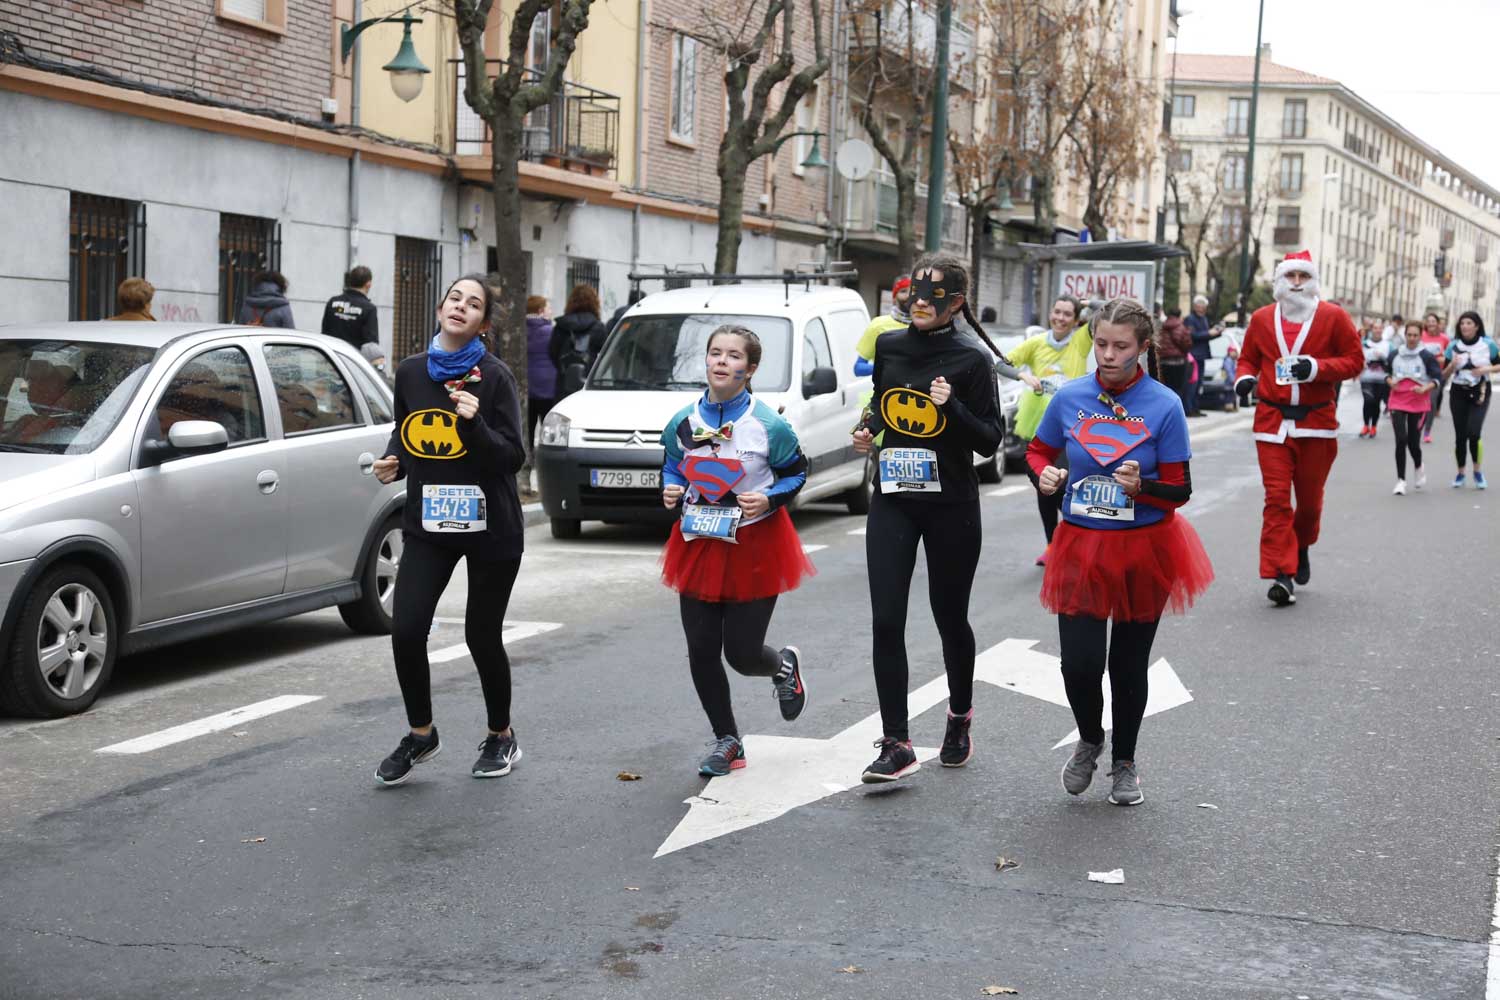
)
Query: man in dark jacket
[
  {"x": 635, "y": 296},
  {"x": 266, "y": 305},
  {"x": 350, "y": 315},
  {"x": 1203, "y": 331}
]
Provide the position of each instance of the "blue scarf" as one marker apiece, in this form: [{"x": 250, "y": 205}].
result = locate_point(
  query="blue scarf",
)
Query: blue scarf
[{"x": 444, "y": 365}]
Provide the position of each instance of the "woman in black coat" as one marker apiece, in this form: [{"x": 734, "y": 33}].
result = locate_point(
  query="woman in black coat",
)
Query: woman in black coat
[{"x": 577, "y": 337}]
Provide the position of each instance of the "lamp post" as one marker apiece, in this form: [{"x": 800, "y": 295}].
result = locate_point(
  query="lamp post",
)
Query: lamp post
[
  {"x": 1245, "y": 268},
  {"x": 1327, "y": 180},
  {"x": 405, "y": 68},
  {"x": 936, "y": 183}
]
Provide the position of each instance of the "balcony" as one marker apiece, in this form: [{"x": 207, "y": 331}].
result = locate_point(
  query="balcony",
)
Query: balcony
[
  {"x": 888, "y": 27},
  {"x": 577, "y": 130},
  {"x": 1446, "y": 237},
  {"x": 1287, "y": 236},
  {"x": 1481, "y": 252},
  {"x": 870, "y": 215}
]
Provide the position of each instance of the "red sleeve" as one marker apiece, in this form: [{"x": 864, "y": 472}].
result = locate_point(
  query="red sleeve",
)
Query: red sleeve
[
  {"x": 1039, "y": 455},
  {"x": 1172, "y": 474},
  {"x": 1348, "y": 358},
  {"x": 1250, "y": 359}
]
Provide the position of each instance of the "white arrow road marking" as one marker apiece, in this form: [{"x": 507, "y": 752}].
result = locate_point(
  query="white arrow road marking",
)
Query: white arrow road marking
[
  {"x": 212, "y": 724},
  {"x": 514, "y": 632},
  {"x": 810, "y": 549},
  {"x": 786, "y": 772}
]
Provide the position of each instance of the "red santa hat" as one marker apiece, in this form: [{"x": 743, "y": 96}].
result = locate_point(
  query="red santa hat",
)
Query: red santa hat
[
  {"x": 1299, "y": 261},
  {"x": 901, "y": 285}
]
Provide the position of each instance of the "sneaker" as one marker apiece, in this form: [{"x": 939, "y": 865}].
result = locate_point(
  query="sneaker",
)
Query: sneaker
[
  {"x": 897, "y": 759},
  {"x": 728, "y": 754},
  {"x": 1041, "y": 560},
  {"x": 1458, "y": 481},
  {"x": 1126, "y": 787},
  {"x": 497, "y": 755},
  {"x": 790, "y": 690},
  {"x": 1421, "y": 477},
  {"x": 1399, "y": 489},
  {"x": 1304, "y": 567},
  {"x": 1364, "y": 432},
  {"x": 1374, "y": 432},
  {"x": 957, "y": 747},
  {"x": 411, "y": 751},
  {"x": 1427, "y": 439},
  {"x": 1282, "y": 592},
  {"x": 1479, "y": 483},
  {"x": 1079, "y": 770}
]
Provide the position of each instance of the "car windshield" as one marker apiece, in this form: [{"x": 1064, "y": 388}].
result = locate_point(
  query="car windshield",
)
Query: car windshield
[
  {"x": 62, "y": 397},
  {"x": 668, "y": 352}
]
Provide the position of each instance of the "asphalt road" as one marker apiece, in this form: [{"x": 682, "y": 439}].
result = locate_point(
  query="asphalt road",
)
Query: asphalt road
[{"x": 1347, "y": 747}]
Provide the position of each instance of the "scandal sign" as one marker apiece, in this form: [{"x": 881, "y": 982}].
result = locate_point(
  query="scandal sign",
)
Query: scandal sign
[{"x": 1085, "y": 280}]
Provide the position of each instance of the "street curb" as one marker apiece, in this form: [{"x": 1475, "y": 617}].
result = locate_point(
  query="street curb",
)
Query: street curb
[{"x": 533, "y": 513}]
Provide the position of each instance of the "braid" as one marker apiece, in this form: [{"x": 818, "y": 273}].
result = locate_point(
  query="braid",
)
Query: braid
[{"x": 969, "y": 315}]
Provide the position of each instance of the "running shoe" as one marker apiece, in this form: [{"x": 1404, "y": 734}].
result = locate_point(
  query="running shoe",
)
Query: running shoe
[
  {"x": 1458, "y": 481},
  {"x": 1126, "y": 787},
  {"x": 1399, "y": 489},
  {"x": 1078, "y": 772},
  {"x": 1427, "y": 439},
  {"x": 1421, "y": 477},
  {"x": 897, "y": 759},
  {"x": 411, "y": 751},
  {"x": 497, "y": 755},
  {"x": 1041, "y": 560},
  {"x": 1374, "y": 432},
  {"x": 1304, "y": 567},
  {"x": 789, "y": 688},
  {"x": 727, "y": 754},
  {"x": 1479, "y": 483},
  {"x": 957, "y": 747},
  {"x": 1364, "y": 432},
  {"x": 1282, "y": 592}
]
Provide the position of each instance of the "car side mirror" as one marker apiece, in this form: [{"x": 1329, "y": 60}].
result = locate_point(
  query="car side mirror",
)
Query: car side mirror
[
  {"x": 820, "y": 382},
  {"x": 187, "y": 437}
]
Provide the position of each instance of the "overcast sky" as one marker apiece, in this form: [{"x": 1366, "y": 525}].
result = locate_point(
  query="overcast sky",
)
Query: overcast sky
[{"x": 1429, "y": 65}]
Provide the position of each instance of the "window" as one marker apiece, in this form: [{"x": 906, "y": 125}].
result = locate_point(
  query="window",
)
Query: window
[
  {"x": 246, "y": 244},
  {"x": 582, "y": 271},
  {"x": 375, "y": 401},
  {"x": 1289, "y": 216},
  {"x": 217, "y": 385},
  {"x": 1234, "y": 172},
  {"x": 1294, "y": 119},
  {"x": 684, "y": 86},
  {"x": 806, "y": 121},
  {"x": 64, "y": 397},
  {"x": 1232, "y": 223},
  {"x": 419, "y": 278},
  {"x": 815, "y": 350},
  {"x": 267, "y": 15},
  {"x": 1181, "y": 161},
  {"x": 1184, "y": 105},
  {"x": 1239, "y": 117},
  {"x": 106, "y": 245},
  {"x": 310, "y": 392},
  {"x": 1291, "y": 173}
]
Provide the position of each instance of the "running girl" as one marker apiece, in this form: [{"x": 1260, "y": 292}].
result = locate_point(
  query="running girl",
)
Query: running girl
[
  {"x": 1414, "y": 374},
  {"x": 935, "y": 401},
  {"x": 1122, "y": 552},
  {"x": 1436, "y": 343},
  {"x": 1372, "y": 379},
  {"x": 1471, "y": 358},
  {"x": 458, "y": 444},
  {"x": 732, "y": 465}
]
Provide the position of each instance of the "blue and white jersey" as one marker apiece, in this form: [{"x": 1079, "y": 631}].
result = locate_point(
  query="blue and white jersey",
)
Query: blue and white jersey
[
  {"x": 1483, "y": 351},
  {"x": 720, "y": 450}
]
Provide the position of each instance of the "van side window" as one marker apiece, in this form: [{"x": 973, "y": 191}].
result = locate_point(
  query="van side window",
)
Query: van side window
[{"x": 815, "y": 351}]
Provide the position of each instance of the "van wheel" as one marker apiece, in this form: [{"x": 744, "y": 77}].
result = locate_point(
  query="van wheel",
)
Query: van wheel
[
  {"x": 858, "y": 499},
  {"x": 373, "y": 613},
  {"x": 993, "y": 471},
  {"x": 566, "y": 528},
  {"x": 64, "y": 647}
]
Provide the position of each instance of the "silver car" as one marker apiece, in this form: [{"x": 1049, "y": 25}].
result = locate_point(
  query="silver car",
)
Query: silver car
[{"x": 164, "y": 481}]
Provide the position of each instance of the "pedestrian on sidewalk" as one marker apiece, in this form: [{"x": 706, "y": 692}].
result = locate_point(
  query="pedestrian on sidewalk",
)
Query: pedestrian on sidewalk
[
  {"x": 1470, "y": 360},
  {"x": 577, "y": 338},
  {"x": 1372, "y": 380},
  {"x": 635, "y": 295},
  {"x": 267, "y": 304},
  {"x": 1173, "y": 345},
  {"x": 1295, "y": 353},
  {"x": 350, "y": 315},
  {"x": 1122, "y": 553},
  {"x": 935, "y": 405},
  {"x": 1414, "y": 375},
  {"x": 541, "y": 373},
  {"x": 1050, "y": 360},
  {"x": 1436, "y": 341},
  {"x": 133, "y": 300},
  {"x": 1203, "y": 330},
  {"x": 732, "y": 466},
  {"x": 457, "y": 442}
]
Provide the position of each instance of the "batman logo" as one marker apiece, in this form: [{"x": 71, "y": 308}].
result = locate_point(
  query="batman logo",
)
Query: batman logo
[
  {"x": 912, "y": 413},
  {"x": 432, "y": 434}
]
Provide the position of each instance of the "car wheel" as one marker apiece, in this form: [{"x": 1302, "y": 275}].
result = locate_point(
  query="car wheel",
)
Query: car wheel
[
  {"x": 63, "y": 650},
  {"x": 566, "y": 528},
  {"x": 858, "y": 499},
  {"x": 993, "y": 471},
  {"x": 374, "y": 612}
]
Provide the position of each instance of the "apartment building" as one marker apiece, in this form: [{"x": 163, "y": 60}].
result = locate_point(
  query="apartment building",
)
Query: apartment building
[{"x": 1396, "y": 226}]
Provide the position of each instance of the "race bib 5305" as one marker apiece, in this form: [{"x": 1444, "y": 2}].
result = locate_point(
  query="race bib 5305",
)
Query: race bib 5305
[{"x": 909, "y": 470}]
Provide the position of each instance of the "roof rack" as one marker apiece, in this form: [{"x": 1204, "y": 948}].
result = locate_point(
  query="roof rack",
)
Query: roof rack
[{"x": 804, "y": 274}]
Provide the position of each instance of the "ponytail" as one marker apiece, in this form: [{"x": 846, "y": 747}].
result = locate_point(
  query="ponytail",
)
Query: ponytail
[{"x": 969, "y": 315}]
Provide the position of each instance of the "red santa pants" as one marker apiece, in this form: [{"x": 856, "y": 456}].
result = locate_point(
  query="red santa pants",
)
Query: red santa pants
[{"x": 1300, "y": 464}]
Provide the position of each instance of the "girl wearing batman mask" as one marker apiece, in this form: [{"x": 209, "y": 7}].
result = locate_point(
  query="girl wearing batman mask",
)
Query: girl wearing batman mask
[{"x": 935, "y": 403}]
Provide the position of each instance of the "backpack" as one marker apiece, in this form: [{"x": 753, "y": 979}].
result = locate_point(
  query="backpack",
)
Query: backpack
[{"x": 574, "y": 363}]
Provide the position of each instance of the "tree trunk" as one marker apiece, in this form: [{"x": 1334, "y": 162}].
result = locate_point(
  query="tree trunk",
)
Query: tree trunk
[
  {"x": 733, "y": 167},
  {"x": 977, "y": 216},
  {"x": 906, "y": 221},
  {"x": 509, "y": 330},
  {"x": 1093, "y": 220},
  {"x": 1043, "y": 211}
]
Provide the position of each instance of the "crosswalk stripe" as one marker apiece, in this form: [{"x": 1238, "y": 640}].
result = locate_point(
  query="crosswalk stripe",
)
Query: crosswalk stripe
[
  {"x": 212, "y": 724},
  {"x": 514, "y": 632}
]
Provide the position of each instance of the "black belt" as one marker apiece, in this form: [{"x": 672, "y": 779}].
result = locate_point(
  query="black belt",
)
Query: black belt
[{"x": 1298, "y": 412}]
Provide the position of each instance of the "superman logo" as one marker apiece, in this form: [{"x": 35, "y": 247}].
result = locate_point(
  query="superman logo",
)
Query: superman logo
[
  {"x": 912, "y": 413},
  {"x": 712, "y": 476},
  {"x": 1108, "y": 440}
]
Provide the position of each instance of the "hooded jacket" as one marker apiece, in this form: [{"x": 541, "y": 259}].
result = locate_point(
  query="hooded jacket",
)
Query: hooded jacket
[{"x": 266, "y": 306}]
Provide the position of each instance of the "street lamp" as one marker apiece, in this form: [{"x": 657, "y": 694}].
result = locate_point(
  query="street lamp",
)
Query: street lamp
[
  {"x": 406, "y": 69},
  {"x": 1327, "y": 180}
]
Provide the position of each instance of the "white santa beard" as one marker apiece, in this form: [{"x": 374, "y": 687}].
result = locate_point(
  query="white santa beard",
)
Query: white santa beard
[{"x": 1297, "y": 306}]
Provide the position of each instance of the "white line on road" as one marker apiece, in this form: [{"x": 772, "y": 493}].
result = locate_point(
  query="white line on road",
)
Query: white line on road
[
  {"x": 585, "y": 550},
  {"x": 857, "y": 531},
  {"x": 212, "y": 724},
  {"x": 1492, "y": 977},
  {"x": 514, "y": 632},
  {"x": 1232, "y": 427},
  {"x": 1009, "y": 491},
  {"x": 810, "y": 549}
]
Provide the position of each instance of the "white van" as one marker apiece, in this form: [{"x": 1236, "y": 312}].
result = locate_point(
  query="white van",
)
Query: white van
[{"x": 600, "y": 454}]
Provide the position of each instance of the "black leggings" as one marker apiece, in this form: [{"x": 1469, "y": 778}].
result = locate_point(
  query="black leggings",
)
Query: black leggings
[
  {"x": 1084, "y": 663},
  {"x": 1408, "y": 438},
  {"x": 950, "y": 534},
  {"x": 739, "y": 629},
  {"x": 1469, "y": 412},
  {"x": 1375, "y": 394},
  {"x": 425, "y": 571},
  {"x": 1436, "y": 409}
]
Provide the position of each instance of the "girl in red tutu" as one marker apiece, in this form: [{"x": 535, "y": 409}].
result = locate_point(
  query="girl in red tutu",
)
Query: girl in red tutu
[
  {"x": 1122, "y": 551},
  {"x": 732, "y": 465}
]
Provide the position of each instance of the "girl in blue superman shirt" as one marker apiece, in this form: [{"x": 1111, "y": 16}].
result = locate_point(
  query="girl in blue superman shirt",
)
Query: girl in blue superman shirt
[
  {"x": 1122, "y": 552},
  {"x": 732, "y": 465}
]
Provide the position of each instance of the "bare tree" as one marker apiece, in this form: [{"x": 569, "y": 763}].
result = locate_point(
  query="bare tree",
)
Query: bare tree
[
  {"x": 981, "y": 170},
  {"x": 1210, "y": 207},
  {"x": 1114, "y": 135}
]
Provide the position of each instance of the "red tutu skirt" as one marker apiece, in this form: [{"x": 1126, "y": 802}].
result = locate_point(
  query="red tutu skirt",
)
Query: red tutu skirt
[
  {"x": 1128, "y": 574},
  {"x": 766, "y": 561}
]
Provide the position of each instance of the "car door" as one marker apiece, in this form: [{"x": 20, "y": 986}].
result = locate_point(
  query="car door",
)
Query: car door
[
  {"x": 823, "y": 426},
  {"x": 330, "y": 456},
  {"x": 213, "y": 527}
]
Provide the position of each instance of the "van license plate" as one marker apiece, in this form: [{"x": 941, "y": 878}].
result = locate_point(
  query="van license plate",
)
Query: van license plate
[{"x": 625, "y": 479}]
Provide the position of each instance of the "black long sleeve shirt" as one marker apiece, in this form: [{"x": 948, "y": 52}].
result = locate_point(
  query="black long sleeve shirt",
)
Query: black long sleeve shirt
[{"x": 437, "y": 447}]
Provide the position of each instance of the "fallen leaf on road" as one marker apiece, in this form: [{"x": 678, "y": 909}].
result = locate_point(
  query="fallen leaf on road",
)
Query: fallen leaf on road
[
  {"x": 254, "y": 840},
  {"x": 851, "y": 969},
  {"x": 627, "y": 776},
  {"x": 241, "y": 733},
  {"x": 1115, "y": 877},
  {"x": 996, "y": 991},
  {"x": 1207, "y": 805},
  {"x": 632, "y": 888},
  {"x": 1004, "y": 864}
]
